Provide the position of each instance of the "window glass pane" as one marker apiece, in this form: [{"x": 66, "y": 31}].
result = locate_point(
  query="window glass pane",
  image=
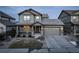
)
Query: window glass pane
[
  {"x": 74, "y": 17},
  {"x": 26, "y": 18},
  {"x": 37, "y": 17}
]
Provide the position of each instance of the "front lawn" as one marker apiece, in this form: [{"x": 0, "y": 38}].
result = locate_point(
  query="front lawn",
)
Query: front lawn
[{"x": 27, "y": 44}]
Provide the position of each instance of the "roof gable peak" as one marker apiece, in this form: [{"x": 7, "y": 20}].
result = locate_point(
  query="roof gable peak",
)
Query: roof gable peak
[{"x": 34, "y": 12}]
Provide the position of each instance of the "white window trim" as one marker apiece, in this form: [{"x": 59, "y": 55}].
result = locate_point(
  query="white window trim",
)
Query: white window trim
[
  {"x": 26, "y": 17},
  {"x": 37, "y": 17},
  {"x": 74, "y": 17}
]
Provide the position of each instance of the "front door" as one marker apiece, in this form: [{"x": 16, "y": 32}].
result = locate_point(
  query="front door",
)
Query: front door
[{"x": 37, "y": 29}]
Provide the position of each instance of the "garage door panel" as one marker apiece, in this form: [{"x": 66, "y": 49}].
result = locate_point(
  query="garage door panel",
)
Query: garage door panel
[{"x": 52, "y": 31}]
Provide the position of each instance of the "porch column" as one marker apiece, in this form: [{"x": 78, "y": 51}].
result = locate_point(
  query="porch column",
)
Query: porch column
[
  {"x": 44, "y": 30},
  {"x": 41, "y": 30},
  {"x": 32, "y": 30},
  {"x": 17, "y": 30},
  {"x": 35, "y": 29}
]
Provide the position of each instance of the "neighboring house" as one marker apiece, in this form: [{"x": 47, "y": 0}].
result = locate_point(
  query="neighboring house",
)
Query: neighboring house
[
  {"x": 6, "y": 22},
  {"x": 31, "y": 21},
  {"x": 70, "y": 18}
]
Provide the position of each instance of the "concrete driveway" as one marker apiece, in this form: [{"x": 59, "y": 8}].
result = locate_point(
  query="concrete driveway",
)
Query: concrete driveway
[{"x": 59, "y": 44}]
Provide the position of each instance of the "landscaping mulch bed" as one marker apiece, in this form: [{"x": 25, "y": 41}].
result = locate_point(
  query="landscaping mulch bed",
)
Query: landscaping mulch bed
[{"x": 27, "y": 44}]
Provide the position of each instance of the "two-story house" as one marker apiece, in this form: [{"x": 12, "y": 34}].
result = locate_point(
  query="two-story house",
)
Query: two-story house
[
  {"x": 6, "y": 22},
  {"x": 37, "y": 23},
  {"x": 70, "y": 18}
]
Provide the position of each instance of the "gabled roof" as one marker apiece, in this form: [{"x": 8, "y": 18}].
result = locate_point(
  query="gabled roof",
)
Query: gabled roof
[
  {"x": 31, "y": 11},
  {"x": 40, "y": 23},
  {"x": 2, "y": 14},
  {"x": 69, "y": 12}
]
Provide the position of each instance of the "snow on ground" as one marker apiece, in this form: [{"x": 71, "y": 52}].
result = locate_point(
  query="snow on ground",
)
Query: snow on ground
[
  {"x": 73, "y": 42},
  {"x": 37, "y": 35},
  {"x": 52, "y": 44}
]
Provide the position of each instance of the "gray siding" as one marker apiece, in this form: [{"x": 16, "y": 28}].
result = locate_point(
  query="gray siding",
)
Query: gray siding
[
  {"x": 32, "y": 18},
  {"x": 63, "y": 14},
  {"x": 22, "y": 18},
  {"x": 38, "y": 19},
  {"x": 66, "y": 19}
]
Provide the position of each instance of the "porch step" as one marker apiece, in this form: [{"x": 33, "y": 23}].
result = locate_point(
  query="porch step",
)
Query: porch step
[{"x": 37, "y": 35}]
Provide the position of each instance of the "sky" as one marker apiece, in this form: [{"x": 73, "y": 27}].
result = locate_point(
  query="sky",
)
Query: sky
[{"x": 52, "y": 11}]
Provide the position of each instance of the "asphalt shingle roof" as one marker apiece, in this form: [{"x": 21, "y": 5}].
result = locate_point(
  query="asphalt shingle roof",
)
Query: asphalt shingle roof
[
  {"x": 6, "y": 15},
  {"x": 31, "y": 11},
  {"x": 52, "y": 22}
]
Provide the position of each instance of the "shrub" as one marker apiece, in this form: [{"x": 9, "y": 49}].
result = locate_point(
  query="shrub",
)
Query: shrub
[
  {"x": 24, "y": 36},
  {"x": 2, "y": 36},
  {"x": 18, "y": 35}
]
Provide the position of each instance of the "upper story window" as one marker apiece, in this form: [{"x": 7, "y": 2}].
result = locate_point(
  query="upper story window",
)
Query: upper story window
[
  {"x": 26, "y": 18},
  {"x": 75, "y": 18},
  {"x": 37, "y": 17}
]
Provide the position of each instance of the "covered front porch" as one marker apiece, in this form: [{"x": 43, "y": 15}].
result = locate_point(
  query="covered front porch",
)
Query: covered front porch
[{"x": 30, "y": 30}]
